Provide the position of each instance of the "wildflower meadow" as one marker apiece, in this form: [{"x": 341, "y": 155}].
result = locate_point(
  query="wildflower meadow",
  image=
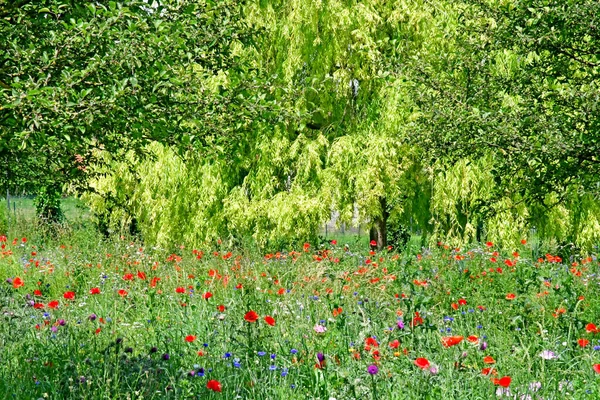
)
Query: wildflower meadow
[
  {"x": 121, "y": 320},
  {"x": 300, "y": 199}
]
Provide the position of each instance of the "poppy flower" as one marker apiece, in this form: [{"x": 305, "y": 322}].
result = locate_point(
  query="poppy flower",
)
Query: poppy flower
[
  {"x": 417, "y": 320},
  {"x": 583, "y": 342},
  {"x": 180, "y": 290},
  {"x": 449, "y": 341},
  {"x": 251, "y": 316},
  {"x": 422, "y": 363},
  {"x": 128, "y": 277},
  {"x": 337, "y": 311},
  {"x": 221, "y": 308},
  {"x": 141, "y": 275},
  {"x": 214, "y": 385},
  {"x": 95, "y": 290},
  {"x": 489, "y": 360},
  {"x": 37, "y": 292},
  {"x": 523, "y": 242},
  {"x": 462, "y": 302},
  {"x": 69, "y": 295},
  {"x": 504, "y": 381},
  {"x": 591, "y": 328},
  {"x": 596, "y": 368},
  {"x": 38, "y": 306},
  {"x": 53, "y": 304},
  {"x": 373, "y": 243},
  {"x": 510, "y": 296},
  {"x": 489, "y": 244},
  {"x": 473, "y": 339},
  {"x": 454, "y": 306},
  {"x": 488, "y": 371},
  {"x": 207, "y": 295},
  {"x": 190, "y": 338},
  {"x": 122, "y": 292},
  {"x": 394, "y": 344},
  {"x": 270, "y": 320}
]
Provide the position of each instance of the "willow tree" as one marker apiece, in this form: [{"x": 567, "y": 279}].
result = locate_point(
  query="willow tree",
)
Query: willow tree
[{"x": 341, "y": 66}]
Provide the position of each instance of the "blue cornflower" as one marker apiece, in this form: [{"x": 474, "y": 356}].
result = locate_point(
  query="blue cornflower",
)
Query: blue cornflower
[
  {"x": 273, "y": 356},
  {"x": 261, "y": 353},
  {"x": 273, "y": 367},
  {"x": 284, "y": 371},
  {"x": 236, "y": 363},
  {"x": 293, "y": 351},
  {"x": 227, "y": 355}
]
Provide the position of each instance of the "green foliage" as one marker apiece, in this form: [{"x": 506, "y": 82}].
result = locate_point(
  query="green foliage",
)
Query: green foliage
[{"x": 79, "y": 78}]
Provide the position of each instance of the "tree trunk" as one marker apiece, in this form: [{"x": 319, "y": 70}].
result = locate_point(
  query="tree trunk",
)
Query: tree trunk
[
  {"x": 47, "y": 203},
  {"x": 378, "y": 232}
]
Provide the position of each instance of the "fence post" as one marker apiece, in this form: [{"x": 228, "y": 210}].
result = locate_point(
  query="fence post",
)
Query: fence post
[{"x": 7, "y": 207}]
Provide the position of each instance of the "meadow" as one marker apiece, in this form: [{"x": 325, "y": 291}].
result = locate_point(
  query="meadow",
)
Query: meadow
[{"x": 89, "y": 317}]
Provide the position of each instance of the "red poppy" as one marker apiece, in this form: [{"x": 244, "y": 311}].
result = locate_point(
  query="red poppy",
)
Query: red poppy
[
  {"x": 128, "y": 277},
  {"x": 523, "y": 242},
  {"x": 489, "y": 360},
  {"x": 95, "y": 290},
  {"x": 38, "y": 306},
  {"x": 489, "y": 244},
  {"x": 510, "y": 296},
  {"x": 473, "y": 339},
  {"x": 122, "y": 292},
  {"x": 141, "y": 275},
  {"x": 591, "y": 328},
  {"x": 213, "y": 385},
  {"x": 462, "y": 302},
  {"x": 17, "y": 282},
  {"x": 394, "y": 344},
  {"x": 583, "y": 342},
  {"x": 370, "y": 342},
  {"x": 207, "y": 295},
  {"x": 270, "y": 320},
  {"x": 69, "y": 295},
  {"x": 251, "y": 316},
  {"x": 422, "y": 363},
  {"x": 37, "y": 292},
  {"x": 221, "y": 308},
  {"x": 154, "y": 281},
  {"x": 373, "y": 243},
  {"x": 596, "y": 368},
  {"x": 449, "y": 341},
  {"x": 454, "y": 306},
  {"x": 53, "y": 304},
  {"x": 488, "y": 371},
  {"x": 417, "y": 320},
  {"x": 504, "y": 381},
  {"x": 180, "y": 290},
  {"x": 190, "y": 338},
  {"x": 337, "y": 311}
]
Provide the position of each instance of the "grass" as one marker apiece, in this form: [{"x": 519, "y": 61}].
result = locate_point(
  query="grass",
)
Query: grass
[{"x": 129, "y": 340}]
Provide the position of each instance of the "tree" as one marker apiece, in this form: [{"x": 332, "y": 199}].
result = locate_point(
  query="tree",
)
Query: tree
[
  {"x": 520, "y": 85},
  {"x": 79, "y": 78}
]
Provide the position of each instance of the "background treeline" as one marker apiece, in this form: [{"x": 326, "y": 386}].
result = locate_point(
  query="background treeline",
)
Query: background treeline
[{"x": 187, "y": 121}]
